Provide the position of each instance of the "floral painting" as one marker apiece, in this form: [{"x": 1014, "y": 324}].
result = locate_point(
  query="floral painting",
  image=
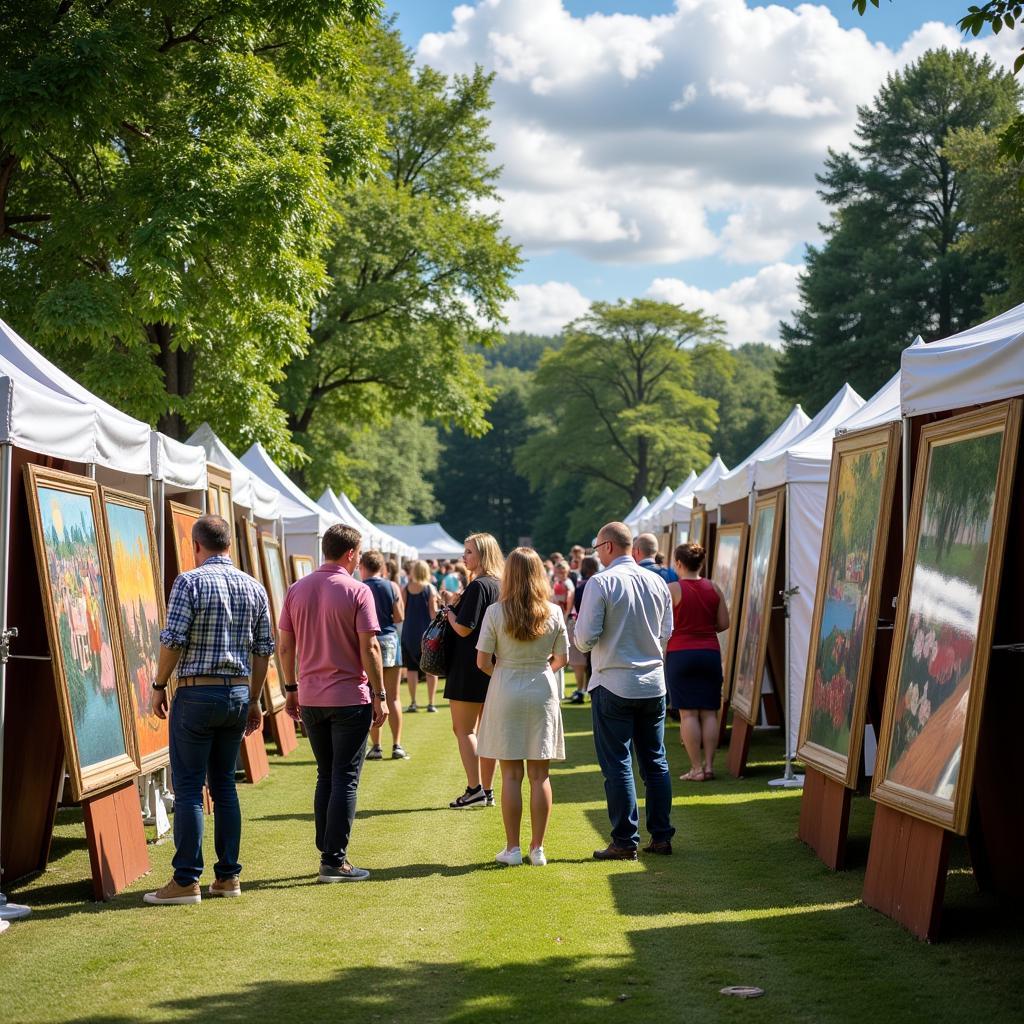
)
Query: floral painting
[
  {"x": 838, "y": 646},
  {"x": 138, "y": 595},
  {"x": 939, "y": 644},
  {"x": 756, "y": 607}
]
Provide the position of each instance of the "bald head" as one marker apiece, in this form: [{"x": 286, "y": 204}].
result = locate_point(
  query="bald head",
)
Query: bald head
[
  {"x": 613, "y": 541},
  {"x": 646, "y": 545}
]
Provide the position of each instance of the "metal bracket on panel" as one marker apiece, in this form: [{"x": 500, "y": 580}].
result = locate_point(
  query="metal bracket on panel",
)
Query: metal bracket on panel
[{"x": 6, "y": 636}]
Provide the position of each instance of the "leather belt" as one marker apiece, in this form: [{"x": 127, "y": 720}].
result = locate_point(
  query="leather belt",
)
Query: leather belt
[{"x": 214, "y": 681}]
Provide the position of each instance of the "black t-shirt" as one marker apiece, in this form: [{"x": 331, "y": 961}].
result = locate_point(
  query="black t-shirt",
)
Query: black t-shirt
[
  {"x": 465, "y": 681},
  {"x": 577, "y": 598}
]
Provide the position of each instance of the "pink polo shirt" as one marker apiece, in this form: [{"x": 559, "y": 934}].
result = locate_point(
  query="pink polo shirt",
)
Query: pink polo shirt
[{"x": 326, "y": 611}]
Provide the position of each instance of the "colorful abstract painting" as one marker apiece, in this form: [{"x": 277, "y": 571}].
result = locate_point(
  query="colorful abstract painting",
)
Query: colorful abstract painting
[
  {"x": 182, "y": 518},
  {"x": 138, "y": 593}
]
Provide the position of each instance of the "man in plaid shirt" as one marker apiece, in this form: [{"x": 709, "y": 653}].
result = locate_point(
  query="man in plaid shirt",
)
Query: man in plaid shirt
[{"x": 219, "y": 639}]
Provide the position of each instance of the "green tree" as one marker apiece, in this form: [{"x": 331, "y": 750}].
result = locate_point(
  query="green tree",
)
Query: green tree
[
  {"x": 520, "y": 350},
  {"x": 482, "y": 490},
  {"x": 620, "y": 407},
  {"x": 419, "y": 271},
  {"x": 890, "y": 267},
  {"x": 165, "y": 182}
]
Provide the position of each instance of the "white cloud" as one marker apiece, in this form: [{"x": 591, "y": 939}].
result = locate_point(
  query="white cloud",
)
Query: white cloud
[
  {"x": 545, "y": 308},
  {"x": 751, "y": 307},
  {"x": 623, "y": 137}
]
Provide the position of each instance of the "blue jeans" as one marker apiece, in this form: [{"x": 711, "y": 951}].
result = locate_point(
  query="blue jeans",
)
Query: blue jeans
[
  {"x": 338, "y": 738},
  {"x": 622, "y": 727},
  {"x": 206, "y": 729}
]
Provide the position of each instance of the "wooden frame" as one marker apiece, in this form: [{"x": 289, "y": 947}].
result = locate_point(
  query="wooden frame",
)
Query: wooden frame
[
  {"x": 147, "y": 647},
  {"x": 83, "y": 631},
  {"x": 698, "y": 524},
  {"x": 180, "y": 519},
  {"x": 220, "y": 499},
  {"x": 272, "y": 555},
  {"x": 861, "y": 487},
  {"x": 752, "y": 636},
  {"x": 250, "y": 549},
  {"x": 302, "y": 565},
  {"x": 730, "y": 579},
  {"x": 926, "y": 775}
]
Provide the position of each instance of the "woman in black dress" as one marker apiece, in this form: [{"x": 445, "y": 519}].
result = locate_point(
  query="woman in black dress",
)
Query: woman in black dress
[{"x": 466, "y": 686}]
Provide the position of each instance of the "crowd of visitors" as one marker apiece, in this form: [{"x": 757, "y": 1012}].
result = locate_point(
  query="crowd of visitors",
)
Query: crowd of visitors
[{"x": 632, "y": 629}]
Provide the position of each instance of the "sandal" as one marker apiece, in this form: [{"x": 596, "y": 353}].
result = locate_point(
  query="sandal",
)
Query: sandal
[
  {"x": 694, "y": 775},
  {"x": 709, "y": 775}
]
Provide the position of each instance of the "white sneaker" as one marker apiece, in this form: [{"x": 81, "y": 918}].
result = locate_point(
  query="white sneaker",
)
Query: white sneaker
[
  {"x": 511, "y": 857},
  {"x": 537, "y": 858}
]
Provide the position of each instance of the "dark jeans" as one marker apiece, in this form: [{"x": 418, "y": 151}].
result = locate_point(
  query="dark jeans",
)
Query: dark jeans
[
  {"x": 338, "y": 738},
  {"x": 206, "y": 729},
  {"x": 622, "y": 727}
]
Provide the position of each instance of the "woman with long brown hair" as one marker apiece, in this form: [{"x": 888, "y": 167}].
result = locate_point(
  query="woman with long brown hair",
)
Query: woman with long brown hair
[
  {"x": 465, "y": 685},
  {"x": 522, "y": 647}
]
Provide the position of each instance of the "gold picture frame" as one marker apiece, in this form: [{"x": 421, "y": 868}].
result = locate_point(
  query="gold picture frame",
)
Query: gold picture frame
[
  {"x": 301, "y": 565},
  {"x": 727, "y": 571},
  {"x": 249, "y": 551},
  {"x": 759, "y": 580},
  {"x": 275, "y": 580},
  {"x": 139, "y": 594},
  {"x": 861, "y": 489},
  {"x": 698, "y": 523},
  {"x": 95, "y": 709},
  {"x": 945, "y": 617},
  {"x": 180, "y": 519},
  {"x": 220, "y": 500}
]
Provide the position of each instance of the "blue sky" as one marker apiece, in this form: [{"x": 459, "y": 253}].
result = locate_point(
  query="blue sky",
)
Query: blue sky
[{"x": 664, "y": 149}]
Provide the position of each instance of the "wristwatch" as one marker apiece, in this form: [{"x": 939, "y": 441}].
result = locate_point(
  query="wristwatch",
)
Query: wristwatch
[
  {"x": 159, "y": 686},
  {"x": 381, "y": 696},
  {"x": 291, "y": 687}
]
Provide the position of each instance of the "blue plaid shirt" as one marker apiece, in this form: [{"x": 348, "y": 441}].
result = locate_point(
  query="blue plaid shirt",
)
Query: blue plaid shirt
[{"x": 217, "y": 615}]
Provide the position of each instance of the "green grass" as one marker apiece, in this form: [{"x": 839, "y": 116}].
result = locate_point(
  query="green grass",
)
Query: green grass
[{"x": 441, "y": 933}]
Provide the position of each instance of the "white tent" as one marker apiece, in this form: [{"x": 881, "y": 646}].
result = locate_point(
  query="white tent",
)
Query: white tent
[
  {"x": 648, "y": 519},
  {"x": 636, "y": 512},
  {"x": 739, "y": 481},
  {"x": 803, "y": 467},
  {"x": 666, "y": 514},
  {"x": 304, "y": 521},
  {"x": 677, "y": 512},
  {"x": 373, "y": 537},
  {"x": 247, "y": 489},
  {"x": 982, "y": 364},
  {"x": 430, "y": 539}
]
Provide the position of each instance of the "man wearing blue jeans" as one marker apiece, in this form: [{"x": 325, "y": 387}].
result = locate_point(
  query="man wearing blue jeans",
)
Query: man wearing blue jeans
[
  {"x": 625, "y": 620},
  {"x": 218, "y": 637}
]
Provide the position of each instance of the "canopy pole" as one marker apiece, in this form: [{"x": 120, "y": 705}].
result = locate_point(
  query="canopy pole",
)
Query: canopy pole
[
  {"x": 789, "y": 780},
  {"x": 8, "y": 911},
  {"x": 905, "y": 476}
]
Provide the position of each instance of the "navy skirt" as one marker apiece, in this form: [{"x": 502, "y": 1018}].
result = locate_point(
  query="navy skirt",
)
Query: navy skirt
[{"x": 694, "y": 680}]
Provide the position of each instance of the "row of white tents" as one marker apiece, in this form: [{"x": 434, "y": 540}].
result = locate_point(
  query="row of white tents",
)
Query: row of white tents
[{"x": 981, "y": 365}]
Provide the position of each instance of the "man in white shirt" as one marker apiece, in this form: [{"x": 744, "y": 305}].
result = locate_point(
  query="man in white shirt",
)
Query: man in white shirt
[{"x": 625, "y": 620}]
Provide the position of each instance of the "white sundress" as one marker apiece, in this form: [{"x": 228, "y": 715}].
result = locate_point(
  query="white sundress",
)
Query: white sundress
[{"x": 522, "y": 716}]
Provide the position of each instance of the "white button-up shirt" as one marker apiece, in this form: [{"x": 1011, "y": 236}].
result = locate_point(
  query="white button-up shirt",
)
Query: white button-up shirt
[{"x": 625, "y": 620}]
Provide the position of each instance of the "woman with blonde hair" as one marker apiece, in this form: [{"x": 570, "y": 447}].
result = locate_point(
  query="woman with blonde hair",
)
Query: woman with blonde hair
[
  {"x": 421, "y": 604},
  {"x": 465, "y": 685},
  {"x": 522, "y": 646}
]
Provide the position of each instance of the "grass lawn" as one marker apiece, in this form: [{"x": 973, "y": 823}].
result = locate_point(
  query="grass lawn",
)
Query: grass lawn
[{"x": 441, "y": 933}]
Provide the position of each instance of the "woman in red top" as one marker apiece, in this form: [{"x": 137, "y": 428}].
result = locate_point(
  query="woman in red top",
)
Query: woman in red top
[{"x": 693, "y": 665}]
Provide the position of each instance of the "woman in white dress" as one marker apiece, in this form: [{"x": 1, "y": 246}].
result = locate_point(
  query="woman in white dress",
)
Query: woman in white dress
[{"x": 522, "y": 646}]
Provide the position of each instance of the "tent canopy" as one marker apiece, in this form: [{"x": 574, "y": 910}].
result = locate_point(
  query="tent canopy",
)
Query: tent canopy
[
  {"x": 431, "y": 540},
  {"x": 638, "y": 509},
  {"x": 881, "y": 408},
  {"x": 678, "y": 509},
  {"x": 982, "y": 364},
  {"x": 739, "y": 481},
  {"x": 648, "y": 519},
  {"x": 179, "y": 466},
  {"x": 47, "y": 412},
  {"x": 300, "y": 514},
  {"x": 373, "y": 537},
  {"x": 247, "y": 489}
]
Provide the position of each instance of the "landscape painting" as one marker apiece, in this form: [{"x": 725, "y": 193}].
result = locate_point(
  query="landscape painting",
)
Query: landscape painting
[
  {"x": 727, "y": 572},
  {"x": 276, "y": 582},
  {"x": 861, "y": 485},
  {"x": 752, "y": 638},
  {"x": 139, "y": 596},
  {"x": 302, "y": 565},
  {"x": 182, "y": 517},
  {"x": 696, "y": 525},
  {"x": 69, "y": 541},
  {"x": 944, "y": 629}
]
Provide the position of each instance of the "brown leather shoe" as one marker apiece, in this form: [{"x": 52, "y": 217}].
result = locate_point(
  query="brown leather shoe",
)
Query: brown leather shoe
[
  {"x": 613, "y": 852},
  {"x": 174, "y": 894},
  {"x": 663, "y": 847},
  {"x": 226, "y": 887}
]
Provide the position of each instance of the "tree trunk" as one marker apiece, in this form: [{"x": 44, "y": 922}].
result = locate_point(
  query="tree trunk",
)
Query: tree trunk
[{"x": 178, "y": 368}]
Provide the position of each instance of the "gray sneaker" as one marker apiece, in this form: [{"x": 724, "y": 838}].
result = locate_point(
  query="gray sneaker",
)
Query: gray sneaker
[
  {"x": 374, "y": 754},
  {"x": 344, "y": 873},
  {"x": 432, "y": 709},
  {"x": 488, "y": 798},
  {"x": 398, "y": 753}
]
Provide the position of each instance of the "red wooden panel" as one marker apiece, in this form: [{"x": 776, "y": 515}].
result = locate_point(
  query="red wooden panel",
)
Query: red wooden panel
[
  {"x": 254, "y": 758},
  {"x": 739, "y": 746},
  {"x": 117, "y": 842},
  {"x": 825, "y": 818},
  {"x": 282, "y": 732}
]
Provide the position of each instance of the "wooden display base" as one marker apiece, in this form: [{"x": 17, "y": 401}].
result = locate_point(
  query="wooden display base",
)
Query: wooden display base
[
  {"x": 825, "y": 817},
  {"x": 723, "y": 723},
  {"x": 906, "y": 875},
  {"x": 117, "y": 841},
  {"x": 739, "y": 746},
  {"x": 254, "y": 758},
  {"x": 282, "y": 731}
]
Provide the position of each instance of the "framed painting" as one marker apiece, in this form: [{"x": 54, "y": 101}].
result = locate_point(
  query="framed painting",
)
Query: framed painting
[
  {"x": 249, "y": 552},
  {"x": 219, "y": 499},
  {"x": 752, "y": 636},
  {"x": 862, "y": 484},
  {"x": 180, "y": 519},
  {"x": 275, "y": 580},
  {"x": 727, "y": 572},
  {"x": 698, "y": 518},
  {"x": 82, "y": 626},
  {"x": 138, "y": 591},
  {"x": 302, "y": 565},
  {"x": 952, "y": 566}
]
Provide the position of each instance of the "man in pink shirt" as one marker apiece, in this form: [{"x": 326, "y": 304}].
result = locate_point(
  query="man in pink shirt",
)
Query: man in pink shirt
[{"x": 331, "y": 619}]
